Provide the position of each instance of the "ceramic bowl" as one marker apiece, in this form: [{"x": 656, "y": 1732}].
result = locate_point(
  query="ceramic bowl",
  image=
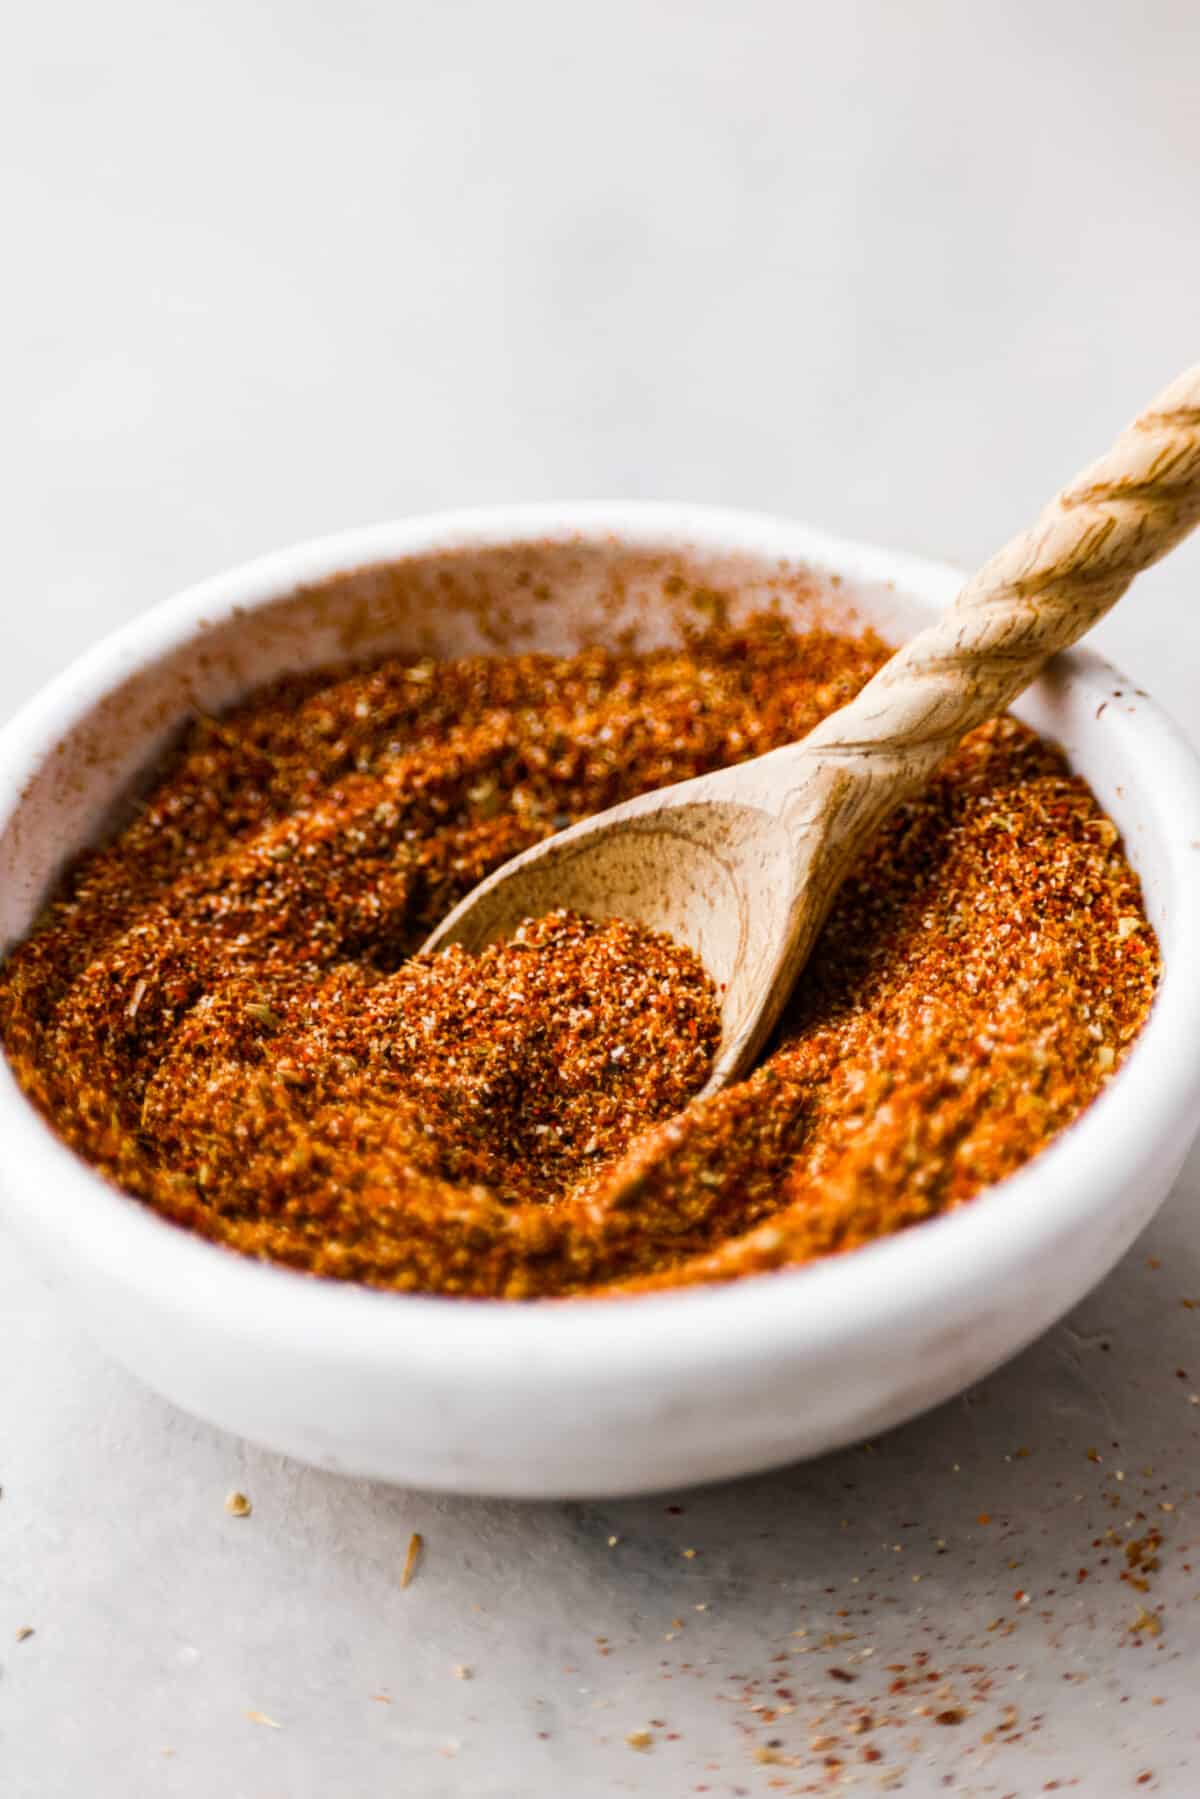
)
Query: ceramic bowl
[{"x": 607, "y": 1396}]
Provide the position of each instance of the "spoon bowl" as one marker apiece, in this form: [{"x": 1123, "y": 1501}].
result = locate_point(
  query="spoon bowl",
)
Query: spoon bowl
[{"x": 708, "y": 872}]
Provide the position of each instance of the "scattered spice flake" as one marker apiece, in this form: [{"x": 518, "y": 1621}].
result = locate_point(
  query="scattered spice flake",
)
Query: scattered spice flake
[
  {"x": 688, "y": 1554},
  {"x": 462, "y": 1672},
  {"x": 237, "y": 1505},
  {"x": 1141, "y": 1553},
  {"x": 25, "y": 1632},
  {"x": 262, "y": 1718},
  {"x": 640, "y": 1739},
  {"x": 1148, "y": 1623},
  {"x": 416, "y": 1544},
  {"x": 953, "y": 1714}
]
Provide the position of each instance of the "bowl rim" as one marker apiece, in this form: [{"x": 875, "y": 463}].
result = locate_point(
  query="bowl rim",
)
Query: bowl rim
[{"x": 549, "y": 1346}]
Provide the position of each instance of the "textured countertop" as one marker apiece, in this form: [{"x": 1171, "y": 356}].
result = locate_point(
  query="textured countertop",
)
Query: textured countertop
[{"x": 896, "y": 270}]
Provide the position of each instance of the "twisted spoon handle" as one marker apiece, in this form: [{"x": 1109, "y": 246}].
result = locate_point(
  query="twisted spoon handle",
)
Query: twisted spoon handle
[
  {"x": 1047, "y": 587},
  {"x": 1036, "y": 596}
]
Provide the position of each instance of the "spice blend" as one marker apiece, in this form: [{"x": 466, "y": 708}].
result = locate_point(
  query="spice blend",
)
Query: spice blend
[{"x": 222, "y": 1009}]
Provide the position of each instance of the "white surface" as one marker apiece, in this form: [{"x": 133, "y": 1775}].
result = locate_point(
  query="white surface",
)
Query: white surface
[{"x": 894, "y": 268}]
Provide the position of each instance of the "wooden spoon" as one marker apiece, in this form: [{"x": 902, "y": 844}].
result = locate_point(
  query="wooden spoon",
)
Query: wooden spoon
[{"x": 743, "y": 865}]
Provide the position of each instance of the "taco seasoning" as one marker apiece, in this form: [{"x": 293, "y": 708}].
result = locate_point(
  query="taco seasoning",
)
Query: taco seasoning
[{"x": 223, "y": 1012}]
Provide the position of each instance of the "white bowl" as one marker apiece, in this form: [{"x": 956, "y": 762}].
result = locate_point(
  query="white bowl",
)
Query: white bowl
[{"x": 606, "y": 1396}]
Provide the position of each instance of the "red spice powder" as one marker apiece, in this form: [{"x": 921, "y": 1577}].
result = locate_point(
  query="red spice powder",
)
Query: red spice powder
[{"x": 221, "y": 1009}]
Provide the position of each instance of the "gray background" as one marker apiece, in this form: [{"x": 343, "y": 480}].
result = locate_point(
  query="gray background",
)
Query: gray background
[{"x": 895, "y": 269}]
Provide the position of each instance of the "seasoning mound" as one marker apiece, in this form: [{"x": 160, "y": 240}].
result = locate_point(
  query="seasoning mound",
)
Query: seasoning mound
[
  {"x": 521, "y": 1069},
  {"x": 222, "y": 1008}
]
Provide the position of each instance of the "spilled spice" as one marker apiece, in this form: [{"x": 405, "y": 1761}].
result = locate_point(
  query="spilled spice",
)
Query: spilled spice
[
  {"x": 221, "y": 1009},
  {"x": 412, "y": 1556}
]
